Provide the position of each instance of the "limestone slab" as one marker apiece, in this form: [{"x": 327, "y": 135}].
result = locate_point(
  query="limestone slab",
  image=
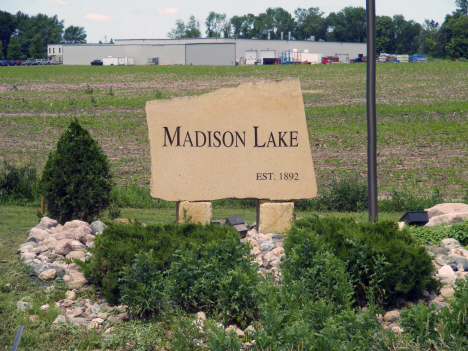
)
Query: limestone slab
[
  {"x": 193, "y": 212},
  {"x": 274, "y": 217},
  {"x": 200, "y": 145}
]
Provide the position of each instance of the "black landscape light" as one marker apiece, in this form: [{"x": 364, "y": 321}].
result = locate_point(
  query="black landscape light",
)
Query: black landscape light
[
  {"x": 415, "y": 218},
  {"x": 238, "y": 223}
]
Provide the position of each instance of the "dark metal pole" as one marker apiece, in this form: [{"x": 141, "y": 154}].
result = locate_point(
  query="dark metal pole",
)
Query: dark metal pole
[
  {"x": 371, "y": 118},
  {"x": 18, "y": 338}
]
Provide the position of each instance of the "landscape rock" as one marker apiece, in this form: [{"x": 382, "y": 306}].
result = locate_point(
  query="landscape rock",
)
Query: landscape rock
[
  {"x": 33, "y": 318},
  {"x": 446, "y": 292},
  {"x": 79, "y": 255},
  {"x": 27, "y": 257},
  {"x": 45, "y": 307},
  {"x": 65, "y": 234},
  {"x": 39, "y": 249},
  {"x": 97, "y": 227},
  {"x": 239, "y": 333},
  {"x": 60, "y": 319},
  {"x": 98, "y": 320},
  {"x": 392, "y": 316},
  {"x": 447, "y": 274},
  {"x": 37, "y": 235},
  {"x": 267, "y": 246},
  {"x": 449, "y": 241},
  {"x": 46, "y": 223},
  {"x": 443, "y": 260},
  {"x": 451, "y": 218},
  {"x": 23, "y": 305},
  {"x": 74, "y": 280},
  {"x": 63, "y": 247},
  {"x": 446, "y": 208},
  {"x": 48, "y": 274}
]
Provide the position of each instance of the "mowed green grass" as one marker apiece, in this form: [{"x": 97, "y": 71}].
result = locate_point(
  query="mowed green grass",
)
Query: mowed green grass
[{"x": 422, "y": 110}]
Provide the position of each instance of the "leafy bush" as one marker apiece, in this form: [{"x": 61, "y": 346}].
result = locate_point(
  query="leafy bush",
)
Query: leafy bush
[
  {"x": 19, "y": 184},
  {"x": 433, "y": 235},
  {"x": 213, "y": 277},
  {"x": 116, "y": 248},
  {"x": 292, "y": 319},
  {"x": 324, "y": 275},
  {"x": 348, "y": 194},
  {"x": 379, "y": 258},
  {"x": 76, "y": 178},
  {"x": 404, "y": 200}
]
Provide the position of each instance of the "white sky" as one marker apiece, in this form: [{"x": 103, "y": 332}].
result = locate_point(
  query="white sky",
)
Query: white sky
[{"x": 137, "y": 19}]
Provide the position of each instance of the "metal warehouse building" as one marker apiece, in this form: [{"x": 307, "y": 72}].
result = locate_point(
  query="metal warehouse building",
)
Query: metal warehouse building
[{"x": 199, "y": 51}]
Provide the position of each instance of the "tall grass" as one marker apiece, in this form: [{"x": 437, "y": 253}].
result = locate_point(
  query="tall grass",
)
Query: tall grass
[{"x": 19, "y": 184}]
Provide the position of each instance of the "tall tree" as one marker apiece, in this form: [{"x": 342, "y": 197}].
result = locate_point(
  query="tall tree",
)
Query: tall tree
[
  {"x": 274, "y": 21},
  {"x": 455, "y": 32},
  {"x": 384, "y": 34},
  {"x": 462, "y": 6},
  {"x": 407, "y": 35},
  {"x": 7, "y": 29},
  {"x": 214, "y": 24},
  {"x": 2, "y": 56},
  {"x": 348, "y": 25},
  {"x": 37, "y": 48},
  {"x": 50, "y": 30},
  {"x": 178, "y": 32},
  {"x": 429, "y": 38},
  {"x": 14, "y": 48},
  {"x": 74, "y": 35},
  {"x": 243, "y": 26},
  {"x": 192, "y": 30},
  {"x": 310, "y": 22}
]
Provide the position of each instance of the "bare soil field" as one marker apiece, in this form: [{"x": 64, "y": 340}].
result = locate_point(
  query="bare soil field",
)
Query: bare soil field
[{"x": 422, "y": 116}]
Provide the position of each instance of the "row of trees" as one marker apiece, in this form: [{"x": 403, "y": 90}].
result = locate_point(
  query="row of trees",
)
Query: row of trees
[
  {"x": 394, "y": 34},
  {"x": 23, "y": 36}
]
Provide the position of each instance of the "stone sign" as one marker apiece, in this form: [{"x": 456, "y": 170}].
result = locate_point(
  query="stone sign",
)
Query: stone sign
[{"x": 249, "y": 142}]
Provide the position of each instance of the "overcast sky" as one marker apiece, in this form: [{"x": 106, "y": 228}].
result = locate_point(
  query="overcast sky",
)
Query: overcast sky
[{"x": 136, "y": 19}]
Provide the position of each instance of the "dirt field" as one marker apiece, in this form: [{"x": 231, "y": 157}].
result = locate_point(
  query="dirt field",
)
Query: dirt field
[{"x": 422, "y": 116}]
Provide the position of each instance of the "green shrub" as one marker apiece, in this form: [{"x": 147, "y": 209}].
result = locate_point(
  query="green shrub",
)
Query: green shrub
[
  {"x": 118, "y": 246},
  {"x": 323, "y": 274},
  {"x": 433, "y": 235},
  {"x": 380, "y": 259},
  {"x": 137, "y": 197},
  {"x": 213, "y": 277},
  {"x": 403, "y": 200},
  {"x": 76, "y": 178},
  {"x": 348, "y": 194},
  {"x": 291, "y": 319},
  {"x": 19, "y": 184},
  {"x": 216, "y": 277}
]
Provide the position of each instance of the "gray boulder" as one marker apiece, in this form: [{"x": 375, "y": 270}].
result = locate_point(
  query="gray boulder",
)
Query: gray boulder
[{"x": 97, "y": 227}]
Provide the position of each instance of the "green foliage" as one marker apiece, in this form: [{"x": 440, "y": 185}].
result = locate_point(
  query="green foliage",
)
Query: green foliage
[
  {"x": 218, "y": 340},
  {"x": 76, "y": 177},
  {"x": 14, "y": 48},
  {"x": 291, "y": 319},
  {"x": 137, "y": 197},
  {"x": 403, "y": 200},
  {"x": 433, "y": 235},
  {"x": 19, "y": 184},
  {"x": 348, "y": 194},
  {"x": 215, "y": 277},
  {"x": 323, "y": 274},
  {"x": 37, "y": 49},
  {"x": 116, "y": 248},
  {"x": 383, "y": 262}
]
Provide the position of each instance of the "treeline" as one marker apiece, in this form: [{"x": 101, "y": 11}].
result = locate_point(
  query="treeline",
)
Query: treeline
[
  {"x": 23, "y": 36},
  {"x": 395, "y": 34}
]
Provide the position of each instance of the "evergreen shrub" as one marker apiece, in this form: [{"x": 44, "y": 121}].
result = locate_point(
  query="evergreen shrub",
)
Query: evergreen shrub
[
  {"x": 76, "y": 178},
  {"x": 118, "y": 246},
  {"x": 385, "y": 264}
]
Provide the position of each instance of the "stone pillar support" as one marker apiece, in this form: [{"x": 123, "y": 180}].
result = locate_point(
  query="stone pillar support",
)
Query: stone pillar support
[
  {"x": 193, "y": 212},
  {"x": 274, "y": 216}
]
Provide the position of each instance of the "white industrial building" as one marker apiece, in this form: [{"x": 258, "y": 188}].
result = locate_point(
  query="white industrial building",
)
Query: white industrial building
[{"x": 199, "y": 51}]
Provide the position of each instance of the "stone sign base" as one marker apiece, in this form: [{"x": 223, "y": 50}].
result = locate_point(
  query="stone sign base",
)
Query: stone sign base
[
  {"x": 194, "y": 212},
  {"x": 274, "y": 216}
]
